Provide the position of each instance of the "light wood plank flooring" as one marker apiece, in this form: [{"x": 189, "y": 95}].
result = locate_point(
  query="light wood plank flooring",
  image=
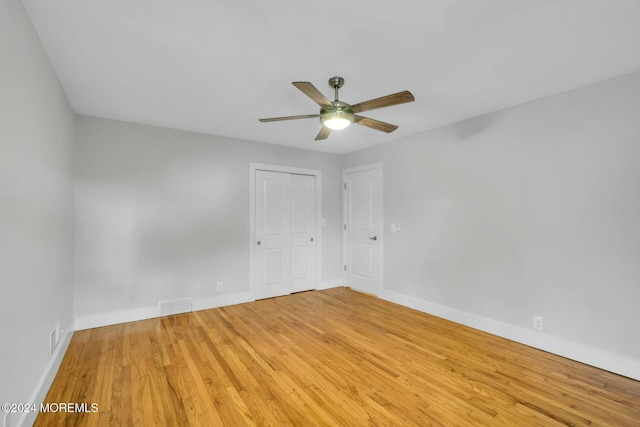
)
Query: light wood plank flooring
[{"x": 334, "y": 357}]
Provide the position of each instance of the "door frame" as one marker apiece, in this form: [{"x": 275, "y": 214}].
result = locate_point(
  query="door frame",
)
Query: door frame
[
  {"x": 253, "y": 167},
  {"x": 345, "y": 172}
]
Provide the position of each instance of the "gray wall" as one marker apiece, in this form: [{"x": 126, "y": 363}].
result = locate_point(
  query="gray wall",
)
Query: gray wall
[
  {"x": 36, "y": 132},
  {"x": 534, "y": 210},
  {"x": 164, "y": 214}
]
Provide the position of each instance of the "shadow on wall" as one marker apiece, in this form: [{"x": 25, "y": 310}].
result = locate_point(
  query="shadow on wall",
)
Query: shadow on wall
[{"x": 473, "y": 127}]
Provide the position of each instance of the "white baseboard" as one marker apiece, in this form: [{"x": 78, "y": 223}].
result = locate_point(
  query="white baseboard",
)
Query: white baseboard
[
  {"x": 116, "y": 317},
  {"x": 221, "y": 301},
  {"x": 328, "y": 284},
  {"x": 40, "y": 393},
  {"x": 150, "y": 312},
  {"x": 603, "y": 359}
]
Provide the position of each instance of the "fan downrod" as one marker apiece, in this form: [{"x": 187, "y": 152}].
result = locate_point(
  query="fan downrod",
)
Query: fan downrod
[{"x": 336, "y": 83}]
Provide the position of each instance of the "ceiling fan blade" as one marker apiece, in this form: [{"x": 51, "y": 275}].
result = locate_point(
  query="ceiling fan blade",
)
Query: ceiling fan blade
[
  {"x": 323, "y": 134},
  {"x": 279, "y": 119},
  {"x": 375, "y": 124},
  {"x": 384, "y": 101},
  {"x": 313, "y": 93}
]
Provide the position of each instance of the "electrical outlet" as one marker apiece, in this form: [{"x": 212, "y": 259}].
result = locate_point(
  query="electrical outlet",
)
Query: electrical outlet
[
  {"x": 219, "y": 286},
  {"x": 537, "y": 323},
  {"x": 53, "y": 341}
]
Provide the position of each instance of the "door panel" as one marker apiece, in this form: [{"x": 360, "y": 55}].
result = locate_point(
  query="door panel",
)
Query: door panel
[
  {"x": 273, "y": 207},
  {"x": 362, "y": 260},
  {"x": 363, "y": 229},
  {"x": 360, "y": 199},
  {"x": 273, "y": 225},
  {"x": 273, "y": 260},
  {"x": 303, "y": 229},
  {"x": 299, "y": 263}
]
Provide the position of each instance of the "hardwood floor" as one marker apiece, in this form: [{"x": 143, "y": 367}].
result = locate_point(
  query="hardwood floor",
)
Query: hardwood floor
[{"x": 334, "y": 357}]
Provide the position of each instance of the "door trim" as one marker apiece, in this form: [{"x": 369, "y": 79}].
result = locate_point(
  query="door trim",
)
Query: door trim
[
  {"x": 253, "y": 167},
  {"x": 378, "y": 166}
]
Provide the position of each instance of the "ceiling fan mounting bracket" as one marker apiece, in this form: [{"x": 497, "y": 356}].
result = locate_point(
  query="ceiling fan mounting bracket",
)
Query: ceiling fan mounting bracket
[{"x": 336, "y": 82}]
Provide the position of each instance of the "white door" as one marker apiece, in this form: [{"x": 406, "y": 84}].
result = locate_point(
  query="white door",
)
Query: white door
[
  {"x": 285, "y": 227},
  {"x": 363, "y": 228},
  {"x": 303, "y": 228},
  {"x": 273, "y": 234}
]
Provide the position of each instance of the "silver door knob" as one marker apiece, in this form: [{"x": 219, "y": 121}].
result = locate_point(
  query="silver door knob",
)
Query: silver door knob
[
  {"x": 373, "y": 238},
  {"x": 259, "y": 243}
]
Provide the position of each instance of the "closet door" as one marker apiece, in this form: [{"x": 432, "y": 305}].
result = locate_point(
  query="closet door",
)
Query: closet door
[
  {"x": 273, "y": 234},
  {"x": 285, "y": 224},
  {"x": 303, "y": 228}
]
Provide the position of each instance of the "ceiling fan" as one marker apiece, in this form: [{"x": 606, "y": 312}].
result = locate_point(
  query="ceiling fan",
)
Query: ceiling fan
[{"x": 336, "y": 115}]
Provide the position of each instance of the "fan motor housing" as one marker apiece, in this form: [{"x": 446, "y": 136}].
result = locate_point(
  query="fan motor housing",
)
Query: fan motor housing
[{"x": 339, "y": 109}]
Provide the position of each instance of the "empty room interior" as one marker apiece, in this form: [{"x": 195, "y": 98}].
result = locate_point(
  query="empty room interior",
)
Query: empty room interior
[{"x": 320, "y": 213}]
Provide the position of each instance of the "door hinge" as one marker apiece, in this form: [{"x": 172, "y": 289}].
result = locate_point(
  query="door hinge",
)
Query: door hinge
[
  {"x": 345, "y": 226},
  {"x": 345, "y": 268},
  {"x": 344, "y": 185}
]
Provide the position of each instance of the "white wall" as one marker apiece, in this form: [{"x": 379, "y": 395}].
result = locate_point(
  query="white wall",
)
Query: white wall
[
  {"x": 534, "y": 210},
  {"x": 36, "y": 132},
  {"x": 162, "y": 214}
]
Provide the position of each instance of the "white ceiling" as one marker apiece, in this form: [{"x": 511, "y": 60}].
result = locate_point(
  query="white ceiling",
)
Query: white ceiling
[{"x": 217, "y": 66}]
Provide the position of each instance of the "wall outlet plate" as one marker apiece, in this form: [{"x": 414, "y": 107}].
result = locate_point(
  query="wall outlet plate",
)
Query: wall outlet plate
[
  {"x": 538, "y": 323},
  {"x": 53, "y": 341},
  {"x": 219, "y": 286}
]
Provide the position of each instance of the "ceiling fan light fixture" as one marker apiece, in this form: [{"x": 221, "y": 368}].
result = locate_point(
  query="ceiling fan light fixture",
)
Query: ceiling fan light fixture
[
  {"x": 336, "y": 120},
  {"x": 336, "y": 123},
  {"x": 337, "y": 115}
]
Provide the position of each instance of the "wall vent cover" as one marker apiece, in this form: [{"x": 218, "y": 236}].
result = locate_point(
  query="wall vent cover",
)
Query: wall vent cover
[{"x": 174, "y": 306}]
